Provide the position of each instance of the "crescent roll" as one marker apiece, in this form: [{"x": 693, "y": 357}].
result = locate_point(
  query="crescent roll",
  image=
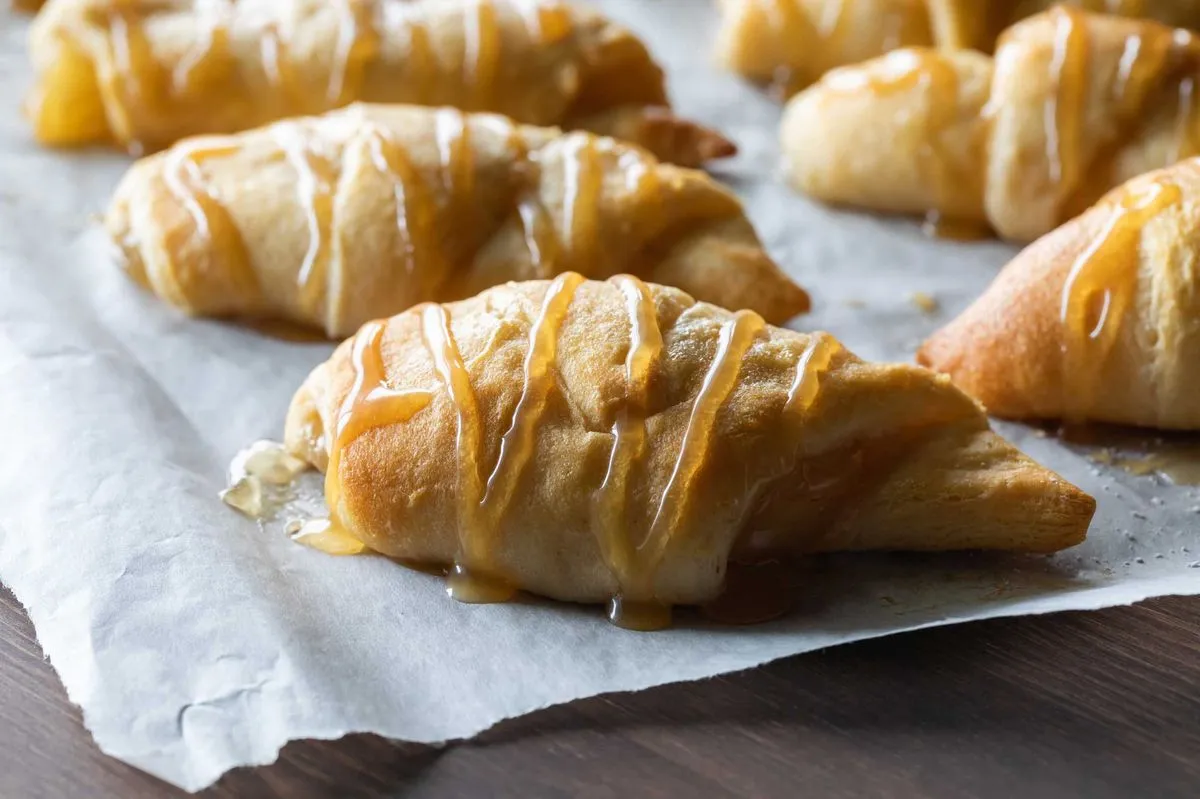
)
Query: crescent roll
[
  {"x": 1097, "y": 321},
  {"x": 143, "y": 74},
  {"x": 330, "y": 221},
  {"x": 1072, "y": 105},
  {"x": 620, "y": 442},
  {"x": 792, "y": 43}
]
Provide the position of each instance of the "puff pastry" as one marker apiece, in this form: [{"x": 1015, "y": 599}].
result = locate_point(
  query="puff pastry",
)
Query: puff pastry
[
  {"x": 1097, "y": 321},
  {"x": 792, "y": 43},
  {"x": 617, "y": 441},
  {"x": 145, "y": 73},
  {"x": 1072, "y": 105},
  {"x": 331, "y": 221}
]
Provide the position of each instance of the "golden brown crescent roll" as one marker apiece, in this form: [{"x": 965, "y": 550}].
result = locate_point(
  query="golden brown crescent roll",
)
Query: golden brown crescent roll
[
  {"x": 596, "y": 441},
  {"x": 330, "y": 221},
  {"x": 145, "y": 73},
  {"x": 1097, "y": 321},
  {"x": 1072, "y": 105},
  {"x": 792, "y": 43}
]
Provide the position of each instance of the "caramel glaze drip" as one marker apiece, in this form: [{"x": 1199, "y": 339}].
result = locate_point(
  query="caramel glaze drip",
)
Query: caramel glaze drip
[
  {"x": 1100, "y": 289},
  {"x": 482, "y": 57},
  {"x": 316, "y": 183},
  {"x": 357, "y": 45},
  {"x": 636, "y": 607},
  {"x": 1143, "y": 64},
  {"x": 583, "y": 178},
  {"x": 183, "y": 177},
  {"x": 414, "y": 207},
  {"x": 370, "y": 404}
]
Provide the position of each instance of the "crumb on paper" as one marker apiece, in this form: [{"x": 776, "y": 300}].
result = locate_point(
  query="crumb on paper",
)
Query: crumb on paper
[
  {"x": 926, "y": 303},
  {"x": 854, "y": 302}
]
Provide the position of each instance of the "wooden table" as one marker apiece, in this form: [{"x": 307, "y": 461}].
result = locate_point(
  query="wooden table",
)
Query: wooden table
[{"x": 1092, "y": 705}]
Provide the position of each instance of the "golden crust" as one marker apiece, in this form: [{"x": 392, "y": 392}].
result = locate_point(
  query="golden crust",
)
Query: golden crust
[
  {"x": 1007, "y": 349},
  {"x": 859, "y": 457},
  {"x": 192, "y": 69}
]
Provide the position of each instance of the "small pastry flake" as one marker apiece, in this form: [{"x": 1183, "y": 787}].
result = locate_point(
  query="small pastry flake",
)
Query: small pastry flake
[
  {"x": 1072, "y": 105},
  {"x": 330, "y": 221},
  {"x": 792, "y": 43},
  {"x": 1096, "y": 321},
  {"x": 145, "y": 73},
  {"x": 619, "y": 442}
]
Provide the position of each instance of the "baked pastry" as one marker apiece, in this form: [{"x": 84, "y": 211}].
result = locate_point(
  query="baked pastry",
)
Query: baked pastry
[
  {"x": 330, "y": 221},
  {"x": 27, "y": 5},
  {"x": 1072, "y": 105},
  {"x": 792, "y": 43},
  {"x": 620, "y": 442},
  {"x": 144, "y": 73},
  {"x": 1095, "y": 321}
]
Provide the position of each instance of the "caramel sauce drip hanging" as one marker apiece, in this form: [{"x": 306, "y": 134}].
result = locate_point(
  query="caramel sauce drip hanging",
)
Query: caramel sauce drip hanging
[
  {"x": 1100, "y": 289},
  {"x": 637, "y": 607},
  {"x": 369, "y": 404}
]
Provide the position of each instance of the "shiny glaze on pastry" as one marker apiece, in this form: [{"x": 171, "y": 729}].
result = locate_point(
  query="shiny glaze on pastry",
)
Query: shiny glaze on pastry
[
  {"x": 1072, "y": 105},
  {"x": 145, "y": 73},
  {"x": 619, "y": 442},
  {"x": 792, "y": 43},
  {"x": 1095, "y": 321},
  {"x": 331, "y": 221}
]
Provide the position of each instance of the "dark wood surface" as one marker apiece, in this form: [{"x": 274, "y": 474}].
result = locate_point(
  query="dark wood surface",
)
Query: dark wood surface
[{"x": 1093, "y": 705}]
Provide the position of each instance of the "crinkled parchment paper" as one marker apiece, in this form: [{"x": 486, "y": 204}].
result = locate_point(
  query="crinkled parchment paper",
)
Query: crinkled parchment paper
[{"x": 196, "y": 642}]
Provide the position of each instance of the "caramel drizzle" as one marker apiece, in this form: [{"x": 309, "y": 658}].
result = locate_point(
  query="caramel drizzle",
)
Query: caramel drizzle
[
  {"x": 583, "y": 180},
  {"x": 482, "y": 52},
  {"x": 183, "y": 179},
  {"x": 357, "y": 43},
  {"x": 370, "y": 404},
  {"x": 455, "y": 156},
  {"x": 132, "y": 58},
  {"x": 470, "y": 488},
  {"x": 1065, "y": 105},
  {"x": 214, "y": 20},
  {"x": 546, "y": 22},
  {"x": 409, "y": 194},
  {"x": 815, "y": 361},
  {"x": 316, "y": 179},
  {"x": 610, "y": 505},
  {"x": 1099, "y": 291},
  {"x": 419, "y": 64},
  {"x": 735, "y": 339},
  {"x": 516, "y": 446}
]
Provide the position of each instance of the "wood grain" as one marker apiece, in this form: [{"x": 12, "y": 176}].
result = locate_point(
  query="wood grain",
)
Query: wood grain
[{"x": 1091, "y": 705}]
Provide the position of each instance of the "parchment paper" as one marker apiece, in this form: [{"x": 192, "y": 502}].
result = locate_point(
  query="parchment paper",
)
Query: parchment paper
[{"x": 196, "y": 642}]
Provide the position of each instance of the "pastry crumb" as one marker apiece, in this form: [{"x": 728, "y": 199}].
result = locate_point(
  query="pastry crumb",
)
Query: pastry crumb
[{"x": 926, "y": 303}]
